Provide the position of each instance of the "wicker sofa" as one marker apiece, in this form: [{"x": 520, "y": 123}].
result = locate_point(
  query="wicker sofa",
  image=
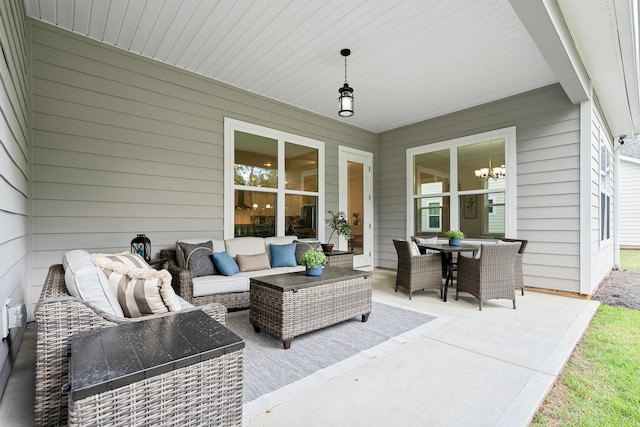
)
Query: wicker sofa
[
  {"x": 231, "y": 291},
  {"x": 60, "y": 315}
]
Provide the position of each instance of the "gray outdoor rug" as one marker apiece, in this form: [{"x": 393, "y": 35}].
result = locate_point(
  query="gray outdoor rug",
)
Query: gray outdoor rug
[{"x": 273, "y": 375}]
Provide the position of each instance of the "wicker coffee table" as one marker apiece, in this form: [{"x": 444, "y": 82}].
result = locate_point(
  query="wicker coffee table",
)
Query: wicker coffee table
[{"x": 291, "y": 304}]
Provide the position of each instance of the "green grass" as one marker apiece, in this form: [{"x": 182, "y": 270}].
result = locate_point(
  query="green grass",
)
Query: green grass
[
  {"x": 600, "y": 386},
  {"x": 630, "y": 260}
]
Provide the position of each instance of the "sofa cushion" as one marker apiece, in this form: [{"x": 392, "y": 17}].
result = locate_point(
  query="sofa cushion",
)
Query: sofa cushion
[
  {"x": 88, "y": 282},
  {"x": 225, "y": 264},
  {"x": 303, "y": 246},
  {"x": 283, "y": 255},
  {"x": 219, "y": 284},
  {"x": 140, "y": 291},
  {"x": 218, "y": 246},
  {"x": 197, "y": 258},
  {"x": 252, "y": 262},
  {"x": 244, "y": 246}
]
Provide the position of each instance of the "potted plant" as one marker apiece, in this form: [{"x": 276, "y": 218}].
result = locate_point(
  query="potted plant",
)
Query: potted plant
[
  {"x": 313, "y": 260},
  {"x": 339, "y": 223},
  {"x": 455, "y": 237}
]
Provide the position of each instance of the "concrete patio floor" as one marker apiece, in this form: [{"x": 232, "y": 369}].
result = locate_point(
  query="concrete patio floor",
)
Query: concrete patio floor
[{"x": 469, "y": 368}]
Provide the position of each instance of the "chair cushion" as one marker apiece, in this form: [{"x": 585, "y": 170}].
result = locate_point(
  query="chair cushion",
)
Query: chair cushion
[
  {"x": 197, "y": 258},
  {"x": 225, "y": 264},
  {"x": 88, "y": 282},
  {"x": 283, "y": 255},
  {"x": 426, "y": 241},
  {"x": 252, "y": 262},
  {"x": 140, "y": 291},
  {"x": 413, "y": 249}
]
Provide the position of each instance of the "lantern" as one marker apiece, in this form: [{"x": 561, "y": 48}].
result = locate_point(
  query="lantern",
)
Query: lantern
[{"x": 142, "y": 245}]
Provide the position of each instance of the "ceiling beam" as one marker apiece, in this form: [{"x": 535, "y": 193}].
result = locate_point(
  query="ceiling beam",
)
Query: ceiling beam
[{"x": 544, "y": 22}]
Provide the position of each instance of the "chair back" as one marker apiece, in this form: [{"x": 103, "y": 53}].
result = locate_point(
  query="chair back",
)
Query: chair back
[
  {"x": 403, "y": 248},
  {"x": 495, "y": 257},
  {"x": 523, "y": 243}
]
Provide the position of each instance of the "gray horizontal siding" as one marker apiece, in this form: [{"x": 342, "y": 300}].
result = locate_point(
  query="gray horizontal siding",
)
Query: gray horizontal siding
[
  {"x": 125, "y": 145},
  {"x": 548, "y": 165},
  {"x": 629, "y": 202},
  {"x": 14, "y": 169}
]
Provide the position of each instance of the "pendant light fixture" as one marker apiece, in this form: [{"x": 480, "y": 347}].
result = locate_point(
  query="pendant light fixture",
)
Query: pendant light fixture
[
  {"x": 495, "y": 173},
  {"x": 346, "y": 93}
]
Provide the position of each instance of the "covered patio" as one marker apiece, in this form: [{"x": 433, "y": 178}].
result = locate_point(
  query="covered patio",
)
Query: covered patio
[{"x": 489, "y": 368}]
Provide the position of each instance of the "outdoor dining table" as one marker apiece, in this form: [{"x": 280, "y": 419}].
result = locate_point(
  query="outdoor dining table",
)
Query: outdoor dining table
[{"x": 446, "y": 251}]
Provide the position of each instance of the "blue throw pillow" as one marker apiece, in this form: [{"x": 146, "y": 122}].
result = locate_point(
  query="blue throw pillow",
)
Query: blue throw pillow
[
  {"x": 283, "y": 255},
  {"x": 225, "y": 264}
]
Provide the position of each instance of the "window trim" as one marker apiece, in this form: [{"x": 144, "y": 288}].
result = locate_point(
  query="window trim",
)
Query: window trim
[
  {"x": 509, "y": 136},
  {"x": 232, "y": 125}
]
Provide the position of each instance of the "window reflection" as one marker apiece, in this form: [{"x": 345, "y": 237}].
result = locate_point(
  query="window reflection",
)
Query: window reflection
[
  {"x": 432, "y": 171},
  {"x": 301, "y": 216},
  {"x": 255, "y": 213},
  {"x": 301, "y": 167},
  {"x": 255, "y": 161}
]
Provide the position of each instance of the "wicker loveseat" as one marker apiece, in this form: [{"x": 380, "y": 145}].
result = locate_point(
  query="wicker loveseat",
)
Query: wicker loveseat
[
  {"x": 60, "y": 315},
  {"x": 231, "y": 291}
]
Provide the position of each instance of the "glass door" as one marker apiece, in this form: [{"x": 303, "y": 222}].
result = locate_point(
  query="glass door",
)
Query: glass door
[{"x": 356, "y": 200}]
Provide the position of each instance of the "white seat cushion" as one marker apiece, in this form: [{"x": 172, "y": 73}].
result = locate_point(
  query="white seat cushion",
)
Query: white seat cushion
[{"x": 219, "y": 284}]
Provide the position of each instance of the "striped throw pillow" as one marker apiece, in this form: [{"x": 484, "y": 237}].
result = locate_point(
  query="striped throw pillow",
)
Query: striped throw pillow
[
  {"x": 140, "y": 291},
  {"x": 129, "y": 259}
]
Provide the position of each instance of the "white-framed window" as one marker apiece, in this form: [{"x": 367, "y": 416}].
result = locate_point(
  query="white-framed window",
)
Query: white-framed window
[
  {"x": 273, "y": 182},
  {"x": 444, "y": 191},
  {"x": 606, "y": 189}
]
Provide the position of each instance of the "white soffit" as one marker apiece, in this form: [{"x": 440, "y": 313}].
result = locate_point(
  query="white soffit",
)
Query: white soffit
[
  {"x": 605, "y": 33},
  {"x": 411, "y": 59}
]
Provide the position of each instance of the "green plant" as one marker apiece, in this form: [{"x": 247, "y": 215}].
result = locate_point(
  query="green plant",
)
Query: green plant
[
  {"x": 339, "y": 223},
  {"x": 454, "y": 234},
  {"x": 598, "y": 386},
  {"x": 313, "y": 258}
]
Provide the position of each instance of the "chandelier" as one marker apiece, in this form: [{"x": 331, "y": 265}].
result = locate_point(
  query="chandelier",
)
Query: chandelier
[
  {"x": 496, "y": 173},
  {"x": 346, "y": 93}
]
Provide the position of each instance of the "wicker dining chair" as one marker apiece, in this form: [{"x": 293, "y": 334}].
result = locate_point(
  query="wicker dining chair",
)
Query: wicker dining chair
[
  {"x": 417, "y": 272},
  {"x": 490, "y": 275},
  {"x": 518, "y": 264}
]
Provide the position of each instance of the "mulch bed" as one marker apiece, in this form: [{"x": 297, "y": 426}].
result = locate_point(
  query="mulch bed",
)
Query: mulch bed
[{"x": 620, "y": 289}]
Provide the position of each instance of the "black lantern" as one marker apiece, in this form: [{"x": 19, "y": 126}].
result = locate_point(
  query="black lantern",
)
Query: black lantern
[
  {"x": 345, "y": 107},
  {"x": 142, "y": 245}
]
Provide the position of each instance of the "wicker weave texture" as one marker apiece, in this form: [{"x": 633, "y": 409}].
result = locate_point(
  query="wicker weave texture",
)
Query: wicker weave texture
[
  {"x": 343, "y": 260},
  {"x": 518, "y": 264},
  {"x": 208, "y": 393},
  {"x": 289, "y": 314},
  {"x": 417, "y": 272},
  {"x": 59, "y": 316},
  {"x": 182, "y": 283},
  {"x": 491, "y": 276}
]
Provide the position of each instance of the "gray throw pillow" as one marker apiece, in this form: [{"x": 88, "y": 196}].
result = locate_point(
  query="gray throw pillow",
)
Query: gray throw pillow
[{"x": 198, "y": 258}]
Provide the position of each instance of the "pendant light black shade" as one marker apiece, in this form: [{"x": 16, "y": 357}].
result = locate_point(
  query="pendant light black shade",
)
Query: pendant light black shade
[{"x": 345, "y": 101}]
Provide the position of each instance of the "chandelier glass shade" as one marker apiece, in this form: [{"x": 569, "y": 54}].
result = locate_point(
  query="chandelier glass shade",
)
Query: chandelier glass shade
[
  {"x": 495, "y": 173},
  {"x": 345, "y": 101},
  {"x": 491, "y": 172}
]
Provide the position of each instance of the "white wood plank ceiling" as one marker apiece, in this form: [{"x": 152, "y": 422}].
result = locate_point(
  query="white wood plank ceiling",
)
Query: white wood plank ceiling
[{"x": 411, "y": 59}]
